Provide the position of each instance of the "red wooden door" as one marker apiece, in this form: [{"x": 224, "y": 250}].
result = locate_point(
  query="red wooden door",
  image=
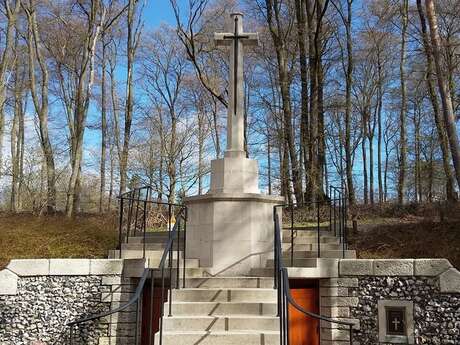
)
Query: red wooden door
[
  {"x": 146, "y": 298},
  {"x": 304, "y": 330}
]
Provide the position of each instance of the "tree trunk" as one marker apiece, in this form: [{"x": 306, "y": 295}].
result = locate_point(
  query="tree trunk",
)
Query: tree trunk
[
  {"x": 365, "y": 179},
  {"x": 379, "y": 130},
  {"x": 446, "y": 101},
  {"x": 439, "y": 122},
  {"x": 403, "y": 111},
  {"x": 348, "y": 108},
  {"x": 103, "y": 126},
  {"x": 301, "y": 26},
  {"x": 285, "y": 82},
  {"x": 40, "y": 101},
  {"x": 131, "y": 50}
]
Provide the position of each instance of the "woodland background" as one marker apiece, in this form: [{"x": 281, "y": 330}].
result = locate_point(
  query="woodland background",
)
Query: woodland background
[{"x": 93, "y": 101}]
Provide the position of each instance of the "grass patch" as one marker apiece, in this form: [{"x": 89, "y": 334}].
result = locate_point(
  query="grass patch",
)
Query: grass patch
[{"x": 25, "y": 236}]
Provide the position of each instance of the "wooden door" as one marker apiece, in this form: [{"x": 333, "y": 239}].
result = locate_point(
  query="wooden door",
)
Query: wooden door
[
  {"x": 304, "y": 330},
  {"x": 146, "y": 300}
]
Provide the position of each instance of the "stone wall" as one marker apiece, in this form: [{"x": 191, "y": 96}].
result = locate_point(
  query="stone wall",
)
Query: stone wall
[
  {"x": 432, "y": 285},
  {"x": 39, "y": 297}
]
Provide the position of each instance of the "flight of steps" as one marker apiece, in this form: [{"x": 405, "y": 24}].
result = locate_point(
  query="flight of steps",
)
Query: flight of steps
[
  {"x": 231, "y": 310},
  {"x": 305, "y": 254},
  {"x": 211, "y": 310},
  {"x": 223, "y": 311}
]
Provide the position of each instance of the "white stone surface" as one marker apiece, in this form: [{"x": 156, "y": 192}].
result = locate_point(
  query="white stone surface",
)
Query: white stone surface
[
  {"x": 339, "y": 282},
  {"x": 431, "y": 267},
  {"x": 234, "y": 175},
  {"x": 394, "y": 267},
  {"x": 29, "y": 267},
  {"x": 356, "y": 267},
  {"x": 106, "y": 266},
  {"x": 8, "y": 283},
  {"x": 69, "y": 267},
  {"x": 230, "y": 233},
  {"x": 449, "y": 281}
]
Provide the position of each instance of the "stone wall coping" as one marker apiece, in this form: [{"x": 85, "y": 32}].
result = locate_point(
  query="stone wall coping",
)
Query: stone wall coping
[
  {"x": 393, "y": 267},
  {"x": 448, "y": 276},
  {"x": 65, "y": 267},
  {"x": 8, "y": 283},
  {"x": 272, "y": 199}
]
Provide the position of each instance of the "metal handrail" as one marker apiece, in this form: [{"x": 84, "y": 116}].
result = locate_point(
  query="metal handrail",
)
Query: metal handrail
[
  {"x": 285, "y": 297},
  {"x": 131, "y": 301},
  {"x": 281, "y": 283},
  {"x": 174, "y": 234}
]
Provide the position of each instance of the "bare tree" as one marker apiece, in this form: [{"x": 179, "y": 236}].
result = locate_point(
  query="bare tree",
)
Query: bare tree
[
  {"x": 446, "y": 99},
  {"x": 40, "y": 98},
  {"x": 134, "y": 26},
  {"x": 11, "y": 10}
]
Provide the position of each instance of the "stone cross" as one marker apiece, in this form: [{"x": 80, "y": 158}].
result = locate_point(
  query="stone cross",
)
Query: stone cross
[
  {"x": 396, "y": 323},
  {"x": 235, "y": 118}
]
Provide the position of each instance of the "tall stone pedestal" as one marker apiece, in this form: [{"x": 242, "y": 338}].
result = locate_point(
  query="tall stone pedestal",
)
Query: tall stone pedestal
[{"x": 230, "y": 229}]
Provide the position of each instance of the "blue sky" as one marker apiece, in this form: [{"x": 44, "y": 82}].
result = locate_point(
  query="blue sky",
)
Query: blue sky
[{"x": 158, "y": 11}]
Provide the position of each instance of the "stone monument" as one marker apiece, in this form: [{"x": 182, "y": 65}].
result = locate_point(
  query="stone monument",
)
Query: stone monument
[{"x": 230, "y": 229}]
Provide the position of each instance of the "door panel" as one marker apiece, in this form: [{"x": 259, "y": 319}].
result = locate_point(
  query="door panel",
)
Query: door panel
[
  {"x": 304, "y": 330},
  {"x": 146, "y": 298}
]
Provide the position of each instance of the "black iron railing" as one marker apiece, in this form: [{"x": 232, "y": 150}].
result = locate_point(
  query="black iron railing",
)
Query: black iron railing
[
  {"x": 327, "y": 214},
  {"x": 140, "y": 214},
  {"x": 284, "y": 295},
  {"x": 136, "y": 205}
]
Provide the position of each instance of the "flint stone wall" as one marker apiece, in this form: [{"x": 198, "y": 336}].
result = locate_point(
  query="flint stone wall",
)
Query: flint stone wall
[
  {"x": 39, "y": 297},
  {"x": 436, "y": 315},
  {"x": 433, "y": 286}
]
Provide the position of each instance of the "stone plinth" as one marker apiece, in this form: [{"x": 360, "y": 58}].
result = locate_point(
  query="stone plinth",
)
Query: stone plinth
[
  {"x": 234, "y": 175},
  {"x": 231, "y": 232}
]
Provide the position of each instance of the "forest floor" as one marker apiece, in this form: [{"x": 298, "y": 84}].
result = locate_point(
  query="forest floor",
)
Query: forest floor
[
  {"x": 412, "y": 231},
  {"x": 25, "y": 236}
]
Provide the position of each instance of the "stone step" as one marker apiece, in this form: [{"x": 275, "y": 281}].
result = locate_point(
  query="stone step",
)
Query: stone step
[
  {"x": 219, "y": 338},
  {"x": 189, "y": 263},
  {"x": 312, "y": 240},
  {"x": 221, "y": 324},
  {"x": 298, "y": 262},
  {"x": 308, "y": 233},
  {"x": 138, "y": 254},
  {"x": 308, "y": 228},
  {"x": 148, "y": 246},
  {"x": 311, "y": 247},
  {"x": 229, "y": 282},
  {"x": 225, "y": 295},
  {"x": 222, "y": 308},
  {"x": 152, "y": 237},
  {"x": 333, "y": 254},
  {"x": 325, "y": 268}
]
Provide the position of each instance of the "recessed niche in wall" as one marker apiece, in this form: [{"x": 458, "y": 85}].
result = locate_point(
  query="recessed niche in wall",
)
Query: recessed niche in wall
[{"x": 396, "y": 321}]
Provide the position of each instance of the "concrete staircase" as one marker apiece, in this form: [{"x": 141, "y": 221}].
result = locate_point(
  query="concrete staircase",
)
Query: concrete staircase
[
  {"x": 224, "y": 311},
  {"x": 306, "y": 263},
  {"x": 232, "y": 310},
  {"x": 210, "y": 310}
]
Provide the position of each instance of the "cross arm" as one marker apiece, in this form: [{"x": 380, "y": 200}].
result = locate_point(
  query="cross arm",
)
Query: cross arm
[
  {"x": 221, "y": 41},
  {"x": 251, "y": 39}
]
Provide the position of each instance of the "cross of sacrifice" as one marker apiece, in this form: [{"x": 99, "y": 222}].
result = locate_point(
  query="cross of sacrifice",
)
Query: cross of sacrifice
[{"x": 235, "y": 118}]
